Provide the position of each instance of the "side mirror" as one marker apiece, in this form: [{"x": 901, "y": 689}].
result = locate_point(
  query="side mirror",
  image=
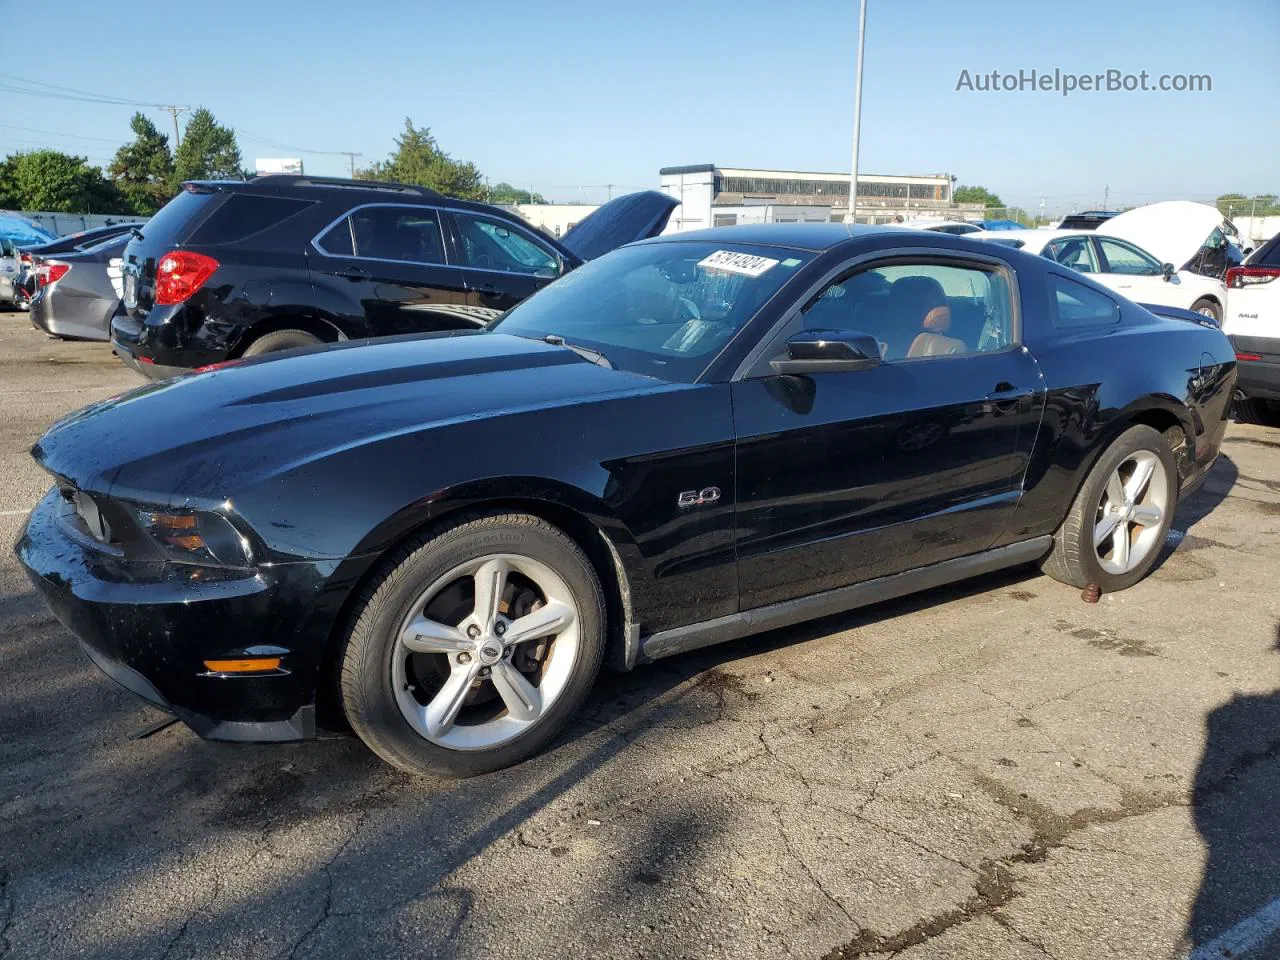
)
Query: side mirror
[
  {"x": 828, "y": 351},
  {"x": 1168, "y": 271}
]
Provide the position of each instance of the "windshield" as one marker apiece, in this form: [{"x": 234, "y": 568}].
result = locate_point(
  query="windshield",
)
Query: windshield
[{"x": 661, "y": 309}]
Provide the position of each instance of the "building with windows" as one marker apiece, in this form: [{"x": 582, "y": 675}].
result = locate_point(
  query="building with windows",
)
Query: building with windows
[{"x": 702, "y": 188}]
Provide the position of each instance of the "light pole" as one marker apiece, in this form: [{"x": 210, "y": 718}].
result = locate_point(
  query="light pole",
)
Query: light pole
[{"x": 857, "y": 116}]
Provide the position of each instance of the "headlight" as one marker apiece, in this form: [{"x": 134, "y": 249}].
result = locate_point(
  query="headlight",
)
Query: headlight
[{"x": 198, "y": 537}]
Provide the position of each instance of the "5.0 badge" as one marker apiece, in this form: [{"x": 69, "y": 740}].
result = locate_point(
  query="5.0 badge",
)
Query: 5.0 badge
[{"x": 696, "y": 498}]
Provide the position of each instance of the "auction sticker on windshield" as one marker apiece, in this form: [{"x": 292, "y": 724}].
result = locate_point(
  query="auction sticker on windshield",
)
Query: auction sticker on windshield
[{"x": 746, "y": 264}]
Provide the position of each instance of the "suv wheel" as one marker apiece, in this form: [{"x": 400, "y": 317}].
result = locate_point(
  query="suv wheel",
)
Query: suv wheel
[
  {"x": 1119, "y": 521},
  {"x": 281, "y": 340},
  {"x": 474, "y": 647},
  {"x": 1257, "y": 410}
]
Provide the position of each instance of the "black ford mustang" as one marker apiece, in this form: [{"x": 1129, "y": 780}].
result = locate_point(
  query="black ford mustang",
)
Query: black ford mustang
[{"x": 687, "y": 440}]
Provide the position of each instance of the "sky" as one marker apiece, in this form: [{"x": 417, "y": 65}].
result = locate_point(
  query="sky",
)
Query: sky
[{"x": 566, "y": 97}]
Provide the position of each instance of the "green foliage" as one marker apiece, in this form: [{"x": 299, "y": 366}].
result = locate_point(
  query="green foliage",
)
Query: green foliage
[
  {"x": 977, "y": 195},
  {"x": 1238, "y": 205},
  {"x": 57, "y": 182},
  {"x": 143, "y": 169},
  {"x": 418, "y": 159},
  {"x": 208, "y": 151},
  {"x": 506, "y": 193}
]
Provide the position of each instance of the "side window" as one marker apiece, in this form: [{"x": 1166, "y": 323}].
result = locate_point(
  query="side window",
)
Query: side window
[
  {"x": 242, "y": 215},
  {"x": 1126, "y": 259},
  {"x": 493, "y": 245},
  {"x": 1075, "y": 305},
  {"x": 920, "y": 309},
  {"x": 404, "y": 234},
  {"x": 1073, "y": 252}
]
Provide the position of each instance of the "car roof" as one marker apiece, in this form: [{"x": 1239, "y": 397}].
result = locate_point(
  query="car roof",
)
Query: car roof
[{"x": 814, "y": 237}]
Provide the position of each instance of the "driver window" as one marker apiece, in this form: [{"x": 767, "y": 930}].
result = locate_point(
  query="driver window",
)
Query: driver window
[
  {"x": 1130, "y": 261},
  {"x": 919, "y": 310},
  {"x": 493, "y": 245}
]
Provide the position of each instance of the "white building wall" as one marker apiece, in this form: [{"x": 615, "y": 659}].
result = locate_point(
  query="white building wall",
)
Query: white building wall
[
  {"x": 695, "y": 192},
  {"x": 555, "y": 218}
]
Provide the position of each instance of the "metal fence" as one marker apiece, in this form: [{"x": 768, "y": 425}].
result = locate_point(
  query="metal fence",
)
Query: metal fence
[{"x": 60, "y": 224}]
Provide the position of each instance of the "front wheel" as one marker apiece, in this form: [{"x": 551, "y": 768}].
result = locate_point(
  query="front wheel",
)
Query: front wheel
[
  {"x": 1119, "y": 521},
  {"x": 474, "y": 647}
]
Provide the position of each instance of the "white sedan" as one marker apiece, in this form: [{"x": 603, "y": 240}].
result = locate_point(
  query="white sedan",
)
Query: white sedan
[{"x": 1123, "y": 266}]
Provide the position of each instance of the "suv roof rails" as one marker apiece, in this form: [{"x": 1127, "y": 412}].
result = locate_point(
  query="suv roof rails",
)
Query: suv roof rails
[{"x": 285, "y": 180}]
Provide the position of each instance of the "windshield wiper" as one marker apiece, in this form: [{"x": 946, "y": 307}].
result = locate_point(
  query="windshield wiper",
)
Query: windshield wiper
[{"x": 595, "y": 356}]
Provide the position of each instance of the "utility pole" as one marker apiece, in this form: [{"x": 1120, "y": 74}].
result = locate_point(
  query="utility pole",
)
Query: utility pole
[
  {"x": 351, "y": 157},
  {"x": 1106, "y": 196},
  {"x": 173, "y": 110},
  {"x": 610, "y": 186},
  {"x": 1041, "y": 218},
  {"x": 857, "y": 116}
]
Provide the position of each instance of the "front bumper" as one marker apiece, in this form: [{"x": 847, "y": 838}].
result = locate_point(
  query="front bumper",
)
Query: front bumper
[{"x": 152, "y": 633}]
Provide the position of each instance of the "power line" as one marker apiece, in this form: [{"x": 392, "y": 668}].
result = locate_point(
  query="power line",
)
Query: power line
[{"x": 55, "y": 133}]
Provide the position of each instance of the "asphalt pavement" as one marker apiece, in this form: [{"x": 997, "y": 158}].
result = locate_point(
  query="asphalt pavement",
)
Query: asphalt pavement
[{"x": 996, "y": 771}]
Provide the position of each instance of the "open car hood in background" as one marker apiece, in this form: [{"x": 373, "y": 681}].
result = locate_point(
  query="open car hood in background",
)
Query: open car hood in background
[
  {"x": 1172, "y": 231},
  {"x": 623, "y": 220}
]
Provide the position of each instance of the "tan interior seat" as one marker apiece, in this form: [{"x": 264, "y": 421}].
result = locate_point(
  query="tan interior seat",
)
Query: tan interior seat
[{"x": 933, "y": 342}]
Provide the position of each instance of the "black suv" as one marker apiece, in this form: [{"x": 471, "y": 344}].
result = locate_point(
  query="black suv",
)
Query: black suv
[{"x": 230, "y": 269}]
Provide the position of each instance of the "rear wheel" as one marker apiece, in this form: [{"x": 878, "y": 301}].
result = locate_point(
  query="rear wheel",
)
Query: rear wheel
[
  {"x": 474, "y": 647},
  {"x": 1121, "y": 517},
  {"x": 1257, "y": 410},
  {"x": 281, "y": 340},
  {"x": 1208, "y": 308}
]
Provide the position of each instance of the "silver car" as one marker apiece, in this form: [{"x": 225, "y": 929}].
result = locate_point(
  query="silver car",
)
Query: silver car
[
  {"x": 77, "y": 293},
  {"x": 10, "y": 267}
]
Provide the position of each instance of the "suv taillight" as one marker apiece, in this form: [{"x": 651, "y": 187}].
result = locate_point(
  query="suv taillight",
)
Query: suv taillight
[
  {"x": 1238, "y": 277},
  {"x": 180, "y": 273}
]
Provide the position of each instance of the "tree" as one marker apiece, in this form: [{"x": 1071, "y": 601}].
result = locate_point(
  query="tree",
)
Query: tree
[
  {"x": 506, "y": 193},
  {"x": 980, "y": 195},
  {"x": 143, "y": 169},
  {"x": 1238, "y": 205},
  {"x": 57, "y": 182},
  {"x": 418, "y": 159},
  {"x": 208, "y": 151}
]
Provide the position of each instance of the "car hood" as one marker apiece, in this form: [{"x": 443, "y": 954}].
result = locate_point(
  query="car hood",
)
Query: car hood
[
  {"x": 623, "y": 220},
  {"x": 201, "y": 439},
  {"x": 1172, "y": 231}
]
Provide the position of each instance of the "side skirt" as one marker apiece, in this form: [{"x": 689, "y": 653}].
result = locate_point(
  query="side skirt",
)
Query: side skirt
[{"x": 682, "y": 639}]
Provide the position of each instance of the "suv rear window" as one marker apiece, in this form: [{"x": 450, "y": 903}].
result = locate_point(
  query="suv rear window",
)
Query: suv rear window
[
  {"x": 242, "y": 215},
  {"x": 175, "y": 215}
]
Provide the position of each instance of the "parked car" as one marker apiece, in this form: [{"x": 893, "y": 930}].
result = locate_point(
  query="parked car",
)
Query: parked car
[
  {"x": 232, "y": 269},
  {"x": 71, "y": 243},
  {"x": 1253, "y": 326},
  {"x": 957, "y": 227},
  {"x": 10, "y": 267},
  {"x": 1192, "y": 236},
  {"x": 687, "y": 440},
  {"x": 1121, "y": 266},
  {"x": 23, "y": 231},
  {"x": 1086, "y": 219},
  {"x": 77, "y": 293}
]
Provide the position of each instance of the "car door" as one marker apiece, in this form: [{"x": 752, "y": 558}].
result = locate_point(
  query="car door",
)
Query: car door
[
  {"x": 1138, "y": 275},
  {"x": 501, "y": 262},
  {"x": 849, "y": 476},
  {"x": 390, "y": 260}
]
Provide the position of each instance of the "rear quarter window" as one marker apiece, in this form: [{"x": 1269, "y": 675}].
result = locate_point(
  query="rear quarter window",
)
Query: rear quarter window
[
  {"x": 242, "y": 215},
  {"x": 176, "y": 215},
  {"x": 1076, "y": 306}
]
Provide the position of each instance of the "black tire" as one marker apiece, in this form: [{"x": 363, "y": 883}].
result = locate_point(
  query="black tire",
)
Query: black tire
[
  {"x": 281, "y": 340},
  {"x": 1212, "y": 306},
  {"x": 1073, "y": 559},
  {"x": 1256, "y": 410},
  {"x": 368, "y": 650}
]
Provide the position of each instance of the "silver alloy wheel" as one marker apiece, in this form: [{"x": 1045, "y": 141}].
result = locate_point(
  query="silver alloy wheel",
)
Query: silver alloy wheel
[
  {"x": 1131, "y": 512},
  {"x": 480, "y": 648},
  {"x": 1207, "y": 311}
]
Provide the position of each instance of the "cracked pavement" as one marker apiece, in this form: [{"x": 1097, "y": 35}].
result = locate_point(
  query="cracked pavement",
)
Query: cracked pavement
[{"x": 995, "y": 770}]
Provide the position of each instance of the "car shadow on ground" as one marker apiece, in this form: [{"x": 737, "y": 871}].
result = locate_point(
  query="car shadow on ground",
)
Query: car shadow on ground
[{"x": 1234, "y": 805}]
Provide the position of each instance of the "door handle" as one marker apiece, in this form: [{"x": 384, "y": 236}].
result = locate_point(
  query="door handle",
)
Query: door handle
[
  {"x": 1005, "y": 398},
  {"x": 489, "y": 290},
  {"x": 355, "y": 273}
]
